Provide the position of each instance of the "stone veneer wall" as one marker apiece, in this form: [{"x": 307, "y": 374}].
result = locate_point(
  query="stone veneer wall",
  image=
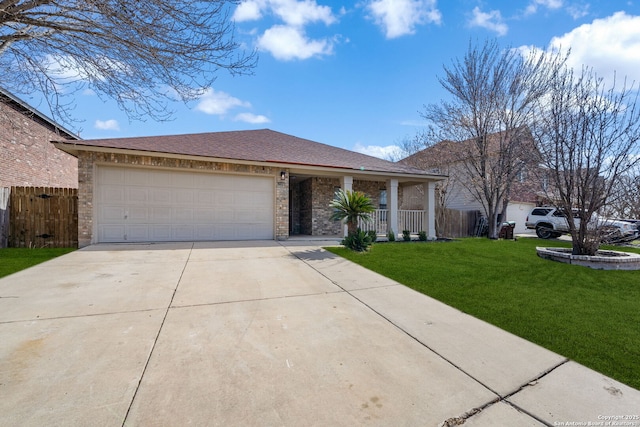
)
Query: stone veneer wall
[
  {"x": 87, "y": 161},
  {"x": 322, "y": 191},
  {"x": 27, "y": 157}
]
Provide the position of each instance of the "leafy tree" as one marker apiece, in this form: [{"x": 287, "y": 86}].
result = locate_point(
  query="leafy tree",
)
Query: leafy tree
[
  {"x": 350, "y": 207},
  {"x": 143, "y": 54},
  {"x": 589, "y": 141},
  {"x": 494, "y": 93}
]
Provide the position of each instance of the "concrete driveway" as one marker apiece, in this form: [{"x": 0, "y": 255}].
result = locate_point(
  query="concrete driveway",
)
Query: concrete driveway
[{"x": 267, "y": 334}]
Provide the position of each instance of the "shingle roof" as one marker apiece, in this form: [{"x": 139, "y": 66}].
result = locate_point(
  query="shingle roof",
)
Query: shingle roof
[{"x": 262, "y": 145}]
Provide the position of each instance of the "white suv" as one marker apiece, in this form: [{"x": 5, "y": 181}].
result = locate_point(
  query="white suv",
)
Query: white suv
[{"x": 549, "y": 221}]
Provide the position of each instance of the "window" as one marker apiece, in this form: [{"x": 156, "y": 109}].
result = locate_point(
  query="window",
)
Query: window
[
  {"x": 383, "y": 199},
  {"x": 521, "y": 176},
  {"x": 545, "y": 183}
]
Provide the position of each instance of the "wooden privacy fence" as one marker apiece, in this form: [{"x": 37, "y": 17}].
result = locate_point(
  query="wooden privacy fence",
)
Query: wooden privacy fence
[
  {"x": 43, "y": 217},
  {"x": 455, "y": 223}
]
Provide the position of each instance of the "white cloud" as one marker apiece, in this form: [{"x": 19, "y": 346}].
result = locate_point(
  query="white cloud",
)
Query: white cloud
[
  {"x": 292, "y": 12},
  {"x": 578, "y": 11},
  {"x": 491, "y": 21},
  {"x": 300, "y": 13},
  {"x": 386, "y": 152},
  {"x": 218, "y": 103},
  {"x": 609, "y": 45},
  {"x": 287, "y": 43},
  {"x": 549, "y": 4},
  {"x": 289, "y": 40},
  {"x": 250, "y": 10},
  {"x": 107, "y": 124},
  {"x": 400, "y": 17},
  {"x": 251, "y": 118}
]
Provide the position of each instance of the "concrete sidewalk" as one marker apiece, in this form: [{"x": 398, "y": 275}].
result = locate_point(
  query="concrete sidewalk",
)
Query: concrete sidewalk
[{"x": 267, "y": 333}]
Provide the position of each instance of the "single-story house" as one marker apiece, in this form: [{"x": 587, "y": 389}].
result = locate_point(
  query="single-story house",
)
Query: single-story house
[{"x": 239, "y": 185}]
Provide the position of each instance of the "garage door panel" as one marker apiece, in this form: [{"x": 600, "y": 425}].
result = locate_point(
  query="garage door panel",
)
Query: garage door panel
[
  {"x": 184, "y": 196},
  {"x": 205, "y": 232},
  {"x": 161, "y": 214},
  {"x": 137, "y": 214},
  {"x": 160, "y": 196},
  {"x": 112, "y": 233},
  {"x": 205, "y": 198},
  {"x": 160, "y": 233},
  {"x": 182, "y": 215},
  {"x": 137, "y": 177},
  {"x": 137, "y": 195},
  {"x": 113, "y": 214},
  {"x": 114, "y": 176},
  {"x": 206, "y": 216},
  {"x": 137, "y": 233},
  {"x": 112, "y": 193},
  {"x": 224, "y": 198},
  {"x": 183, "y": 232},
  {"x": 182, "y": 180},
  {"x": 163, "y": 205}
]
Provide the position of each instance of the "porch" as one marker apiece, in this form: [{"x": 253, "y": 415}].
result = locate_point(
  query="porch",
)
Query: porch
[
  {"x": 398, "y": 207},
  {"x": 414, "y": 221}
]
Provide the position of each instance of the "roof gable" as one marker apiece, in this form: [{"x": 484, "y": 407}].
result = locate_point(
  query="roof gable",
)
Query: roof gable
[{"x": 448, "y": 152}]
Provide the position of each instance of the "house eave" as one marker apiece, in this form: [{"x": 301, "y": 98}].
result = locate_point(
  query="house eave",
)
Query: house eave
[
  {"x": 27, "y": 110},
  {"x": 294, "y": 168}
]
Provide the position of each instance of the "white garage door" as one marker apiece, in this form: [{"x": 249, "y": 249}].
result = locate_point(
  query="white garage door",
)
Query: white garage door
[{"x": 148, "y": 205}]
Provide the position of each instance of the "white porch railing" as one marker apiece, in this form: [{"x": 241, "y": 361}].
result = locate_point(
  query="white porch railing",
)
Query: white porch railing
[{"x": 412, "y": 220}]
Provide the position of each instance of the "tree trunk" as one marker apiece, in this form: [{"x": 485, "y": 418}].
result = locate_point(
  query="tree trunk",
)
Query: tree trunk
[{"x": 352, "y": 228}]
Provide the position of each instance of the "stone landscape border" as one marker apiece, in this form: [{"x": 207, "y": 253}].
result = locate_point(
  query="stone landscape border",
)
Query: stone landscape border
[{"x": 603, "y": 260}]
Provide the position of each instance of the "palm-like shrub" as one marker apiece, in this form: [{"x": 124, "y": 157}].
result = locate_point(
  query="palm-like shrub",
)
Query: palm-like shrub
[{"x": 350, "y": 207}]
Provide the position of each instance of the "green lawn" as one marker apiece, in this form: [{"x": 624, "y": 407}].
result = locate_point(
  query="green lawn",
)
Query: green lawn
[
  {"x": 590, "y": 316},
  {"x": 16, "y": 259}
]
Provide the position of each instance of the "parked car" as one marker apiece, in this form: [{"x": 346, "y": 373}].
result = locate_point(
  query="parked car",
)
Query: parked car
[{"x": 549, "y": 221}]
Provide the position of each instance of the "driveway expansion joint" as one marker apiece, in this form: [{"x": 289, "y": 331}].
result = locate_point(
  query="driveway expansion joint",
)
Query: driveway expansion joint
[
  {"x": 155, "y": 340},
  {"x": 77, "y": 316},
  {"x": 461, "y": 419}
]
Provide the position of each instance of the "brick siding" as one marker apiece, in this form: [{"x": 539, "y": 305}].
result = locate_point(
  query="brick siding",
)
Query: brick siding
[{"x": 27, "y": 157}]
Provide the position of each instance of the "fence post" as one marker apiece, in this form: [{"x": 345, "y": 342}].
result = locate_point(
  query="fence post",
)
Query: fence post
[{"x": 5, "y": 209}]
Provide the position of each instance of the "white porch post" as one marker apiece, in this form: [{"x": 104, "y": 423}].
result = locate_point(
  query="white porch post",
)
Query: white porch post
[
  {"x": 430, "y": 208},
  {"x": 392, "y": 206},
  {"x": 346, "y": 183}
]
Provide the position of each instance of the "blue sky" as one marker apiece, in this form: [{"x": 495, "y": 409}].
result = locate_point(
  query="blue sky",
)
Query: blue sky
[{"x": 355, "y": 74}]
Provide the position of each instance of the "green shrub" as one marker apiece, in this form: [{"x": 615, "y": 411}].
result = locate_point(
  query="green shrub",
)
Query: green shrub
[
  {"x": 373, "y": 235},
  {"x": 422, "y": 236},
  {"x": 391, "y": 236},
  {"x": 406, "y": 235},
  {"x": 358, "y": 241}
]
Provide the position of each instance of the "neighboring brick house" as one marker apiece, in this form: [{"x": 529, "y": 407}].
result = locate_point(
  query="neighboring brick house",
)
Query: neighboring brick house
[
  {"x": 241, "y": 185},
  {"x": 27, "y": 157},
  {"x": 447, "y": 157}
]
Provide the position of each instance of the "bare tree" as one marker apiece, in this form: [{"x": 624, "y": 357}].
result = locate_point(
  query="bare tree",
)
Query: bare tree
[
  {"x": 439, "y": 159},
  {"x": 625, "y": 200},
  {"x": 589, "y": 140},
  {"x": 494, "y": 92},
  {"x": 143, "y": 54}
]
